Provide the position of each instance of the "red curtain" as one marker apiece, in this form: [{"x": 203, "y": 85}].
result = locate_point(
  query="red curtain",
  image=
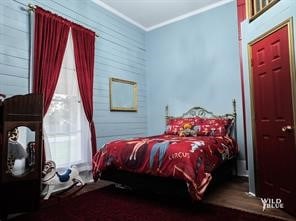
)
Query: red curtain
[
  {"x": 50, "y": 39},
  {"x": 84, "y": 52}
]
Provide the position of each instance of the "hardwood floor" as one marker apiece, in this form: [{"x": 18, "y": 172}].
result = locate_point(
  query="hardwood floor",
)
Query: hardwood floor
[{"x": 232, "y": 194}]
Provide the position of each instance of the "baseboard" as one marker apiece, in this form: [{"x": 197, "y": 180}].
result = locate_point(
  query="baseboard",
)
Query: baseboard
[
  {"x": 251, "y": 194},
  {"x": 243, "y": 178},
  {"x": 241, "y": 168}
]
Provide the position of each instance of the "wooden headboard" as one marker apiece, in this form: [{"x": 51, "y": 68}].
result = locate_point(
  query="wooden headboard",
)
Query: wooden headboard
[{"x": 203, "y": 113}]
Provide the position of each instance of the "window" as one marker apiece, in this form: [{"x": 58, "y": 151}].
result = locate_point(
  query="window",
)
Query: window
[
  {"x": 257, "y": 7},
  {"x": 67, "y": 134}
]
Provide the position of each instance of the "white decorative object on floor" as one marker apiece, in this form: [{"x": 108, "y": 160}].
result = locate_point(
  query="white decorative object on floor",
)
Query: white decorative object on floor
[{"x": 52, "y": 178}]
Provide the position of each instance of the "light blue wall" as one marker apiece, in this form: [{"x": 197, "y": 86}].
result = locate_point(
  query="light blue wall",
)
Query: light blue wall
[
  {"x": 188, "y": 63},
  {"x": 194, "y": 62},
  {"x": 120, "y": 52},
  {"x": 280, "y": 12}
]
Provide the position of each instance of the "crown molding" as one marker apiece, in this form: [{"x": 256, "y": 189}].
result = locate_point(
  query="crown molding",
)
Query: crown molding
[
  {"x": 119, "y": 14},
  {"x": 187, "y": 15}
]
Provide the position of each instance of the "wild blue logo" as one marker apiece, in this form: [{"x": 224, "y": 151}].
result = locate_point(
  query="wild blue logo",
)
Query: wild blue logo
[{"x": 268, "y": 203}]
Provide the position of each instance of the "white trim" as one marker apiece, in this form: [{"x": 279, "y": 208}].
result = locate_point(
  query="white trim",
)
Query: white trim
[
  {"x": 119, "y": 14},
  {"x": 31, "y": 62},
  {"x": 251, "y": 194},
  {"x": 198, "y": 11}
]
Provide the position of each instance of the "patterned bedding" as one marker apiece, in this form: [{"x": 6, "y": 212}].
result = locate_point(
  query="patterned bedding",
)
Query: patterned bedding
[{"x": 191, "y": 159}]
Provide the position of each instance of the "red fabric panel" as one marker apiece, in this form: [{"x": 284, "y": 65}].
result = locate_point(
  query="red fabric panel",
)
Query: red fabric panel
[
  {"x": 84, "y": 52},
  {"x": 50, "y": 39}
]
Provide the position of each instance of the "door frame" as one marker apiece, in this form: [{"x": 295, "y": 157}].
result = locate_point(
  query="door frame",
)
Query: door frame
[{"x": 289, "y": 23}]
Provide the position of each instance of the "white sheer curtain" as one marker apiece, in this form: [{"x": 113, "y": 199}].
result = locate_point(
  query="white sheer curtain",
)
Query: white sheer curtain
[{"x": 66, "y": 129}]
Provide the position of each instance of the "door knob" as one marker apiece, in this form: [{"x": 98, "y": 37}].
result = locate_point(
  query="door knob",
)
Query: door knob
[{"x": 287, "y": 128}]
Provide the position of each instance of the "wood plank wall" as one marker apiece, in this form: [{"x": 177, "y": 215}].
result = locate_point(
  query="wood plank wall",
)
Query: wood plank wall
[{"x": 120, "y": 52}]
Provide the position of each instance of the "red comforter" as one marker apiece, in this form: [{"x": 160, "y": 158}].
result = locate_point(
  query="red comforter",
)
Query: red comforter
[{"x": 188, "y": 158}]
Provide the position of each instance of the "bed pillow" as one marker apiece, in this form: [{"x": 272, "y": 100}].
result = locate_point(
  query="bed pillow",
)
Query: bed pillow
[
  {"x": 213, "y": 126},
  {"x": 175, "y": 125}
]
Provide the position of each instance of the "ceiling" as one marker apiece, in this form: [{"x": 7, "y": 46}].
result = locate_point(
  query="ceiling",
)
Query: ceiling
[{"x": 151, "y": 14}]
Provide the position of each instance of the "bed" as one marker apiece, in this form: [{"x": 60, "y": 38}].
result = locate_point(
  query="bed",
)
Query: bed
[{"x": 194, "y": 148}]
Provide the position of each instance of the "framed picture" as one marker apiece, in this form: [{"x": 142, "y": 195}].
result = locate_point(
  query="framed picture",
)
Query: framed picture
[{"x": 123, "y": 95}]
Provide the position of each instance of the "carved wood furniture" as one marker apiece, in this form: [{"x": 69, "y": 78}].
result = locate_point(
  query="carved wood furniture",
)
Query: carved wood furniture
[{"x": 21, "y": 151}]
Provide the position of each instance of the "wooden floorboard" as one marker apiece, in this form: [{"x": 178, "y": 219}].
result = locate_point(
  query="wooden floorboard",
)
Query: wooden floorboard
[{"x": 234, "y": 194}]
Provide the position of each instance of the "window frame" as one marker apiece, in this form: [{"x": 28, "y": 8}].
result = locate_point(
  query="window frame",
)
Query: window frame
[{"x": 253, "y": 13}]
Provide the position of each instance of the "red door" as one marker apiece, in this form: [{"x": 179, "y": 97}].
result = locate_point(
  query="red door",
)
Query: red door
[{"x": 273, "y": 110}]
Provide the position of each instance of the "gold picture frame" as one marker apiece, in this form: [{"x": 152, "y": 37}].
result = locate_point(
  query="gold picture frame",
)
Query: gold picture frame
[{"x": 123, "y": 95}]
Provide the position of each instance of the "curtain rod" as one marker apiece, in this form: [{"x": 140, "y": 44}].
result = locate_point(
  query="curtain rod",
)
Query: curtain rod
[{"x": 32, "y": 8}]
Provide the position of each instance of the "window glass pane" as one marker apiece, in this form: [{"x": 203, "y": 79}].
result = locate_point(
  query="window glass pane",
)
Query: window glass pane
[
  {"x": 264, "y": 3},
  {"x": 65, "y": 123},
  {"x": 257, "y": 5}
]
